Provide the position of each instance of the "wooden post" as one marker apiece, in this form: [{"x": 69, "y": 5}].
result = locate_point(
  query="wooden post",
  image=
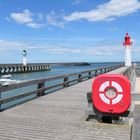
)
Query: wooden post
[
  {"x": 43, "y": 68},
  {"x": 109, "y": 69},
  {"x": 13, "y": 69},
  {"x": 32, "y": 68},
  {"x": 29, "y": 68},
  {"x": 89, "y": 75},
  {"x": 96, "y": 72},
  {"x": 65, "y": 82},
  {"x": 101, "y": 71},
  {"x": 17, "y": 69},
  {"x": 0, "y": 71},
  {"x": 0, "y": 104},
  {"x": 105, "y": 70},
  {"x": 4, "y": 70},
  {"x": 41, "y": 85},
  {"x": 9, "y": 70},
  {"x": 79, "y": 78}
]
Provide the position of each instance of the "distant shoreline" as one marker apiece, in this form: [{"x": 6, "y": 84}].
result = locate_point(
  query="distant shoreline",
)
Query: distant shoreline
[
  {"x": 71, "y": 64},
  {"x": 62, "y": 63},
  {"x": 51, "y": 64}
]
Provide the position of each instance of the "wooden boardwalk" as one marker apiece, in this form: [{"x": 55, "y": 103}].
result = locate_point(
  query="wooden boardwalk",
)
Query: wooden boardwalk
[
  {"x": 136, "y": 120},
  {"x": 137, "y": 87},
  {"x": 58, "y": 116}
]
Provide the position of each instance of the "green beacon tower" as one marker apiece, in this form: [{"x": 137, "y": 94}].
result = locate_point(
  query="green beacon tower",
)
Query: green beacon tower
[{"x": 24, "y": 54}]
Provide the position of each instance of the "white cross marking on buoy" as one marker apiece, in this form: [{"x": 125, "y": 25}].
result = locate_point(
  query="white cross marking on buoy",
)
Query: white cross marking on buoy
[{"x": 116, "y": 86}]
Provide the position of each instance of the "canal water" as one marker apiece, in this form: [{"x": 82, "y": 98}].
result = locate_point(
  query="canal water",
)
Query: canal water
[
  {"x": 58, "y": 70},
  {"x": 55, "y": 70}
]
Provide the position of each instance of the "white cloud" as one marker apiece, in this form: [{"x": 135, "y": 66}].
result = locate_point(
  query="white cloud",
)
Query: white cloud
[
  {"x": 34, "y": 20},
  {"x": 94, "y": 50},
  {"x": 26, "y": 17},
  {"x": 54, "y": 19},
  {"x": 60, "y": 49},
  {"x": 103, "y": 50},
  {"x": 107, "y": 11},
  {"x": 8, "y": 45},
  {"x": 35, "y": 25}
]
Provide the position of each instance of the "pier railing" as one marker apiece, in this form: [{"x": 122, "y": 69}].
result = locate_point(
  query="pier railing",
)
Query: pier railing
[{"x": 14, "y": 94}]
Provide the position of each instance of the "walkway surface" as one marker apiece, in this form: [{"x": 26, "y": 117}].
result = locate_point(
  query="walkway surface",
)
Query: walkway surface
[
  {"x": 137, "y": 88},
  {"x": 58, "y": 116}
]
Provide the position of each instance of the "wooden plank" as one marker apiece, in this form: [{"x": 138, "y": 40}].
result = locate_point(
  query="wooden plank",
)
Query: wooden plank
[
  {"x": 136, "y": 123},
  {"x": 135, "y": 96}
]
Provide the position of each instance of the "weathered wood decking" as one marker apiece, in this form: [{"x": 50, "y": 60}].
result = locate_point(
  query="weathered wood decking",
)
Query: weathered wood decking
[
  {"x": 136, "y": 122},
  {"x": 58, "y": 116}
]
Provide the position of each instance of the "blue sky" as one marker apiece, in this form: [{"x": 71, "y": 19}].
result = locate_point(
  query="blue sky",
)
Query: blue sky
[{"x": 68, "y": 30}]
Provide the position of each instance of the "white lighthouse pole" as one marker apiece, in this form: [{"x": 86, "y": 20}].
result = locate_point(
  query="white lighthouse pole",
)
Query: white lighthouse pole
[
  {"x": 24, "y": 54},
  {"x": 24, "y": 61},
  {"x": 128, "y": 55},
  {"x": 127, "y": 45}
]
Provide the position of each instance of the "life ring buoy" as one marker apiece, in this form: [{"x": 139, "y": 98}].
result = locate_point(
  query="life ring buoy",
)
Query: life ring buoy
[
  {"x": 109, "y": 85},
  {"x": 111, "y": 93}
]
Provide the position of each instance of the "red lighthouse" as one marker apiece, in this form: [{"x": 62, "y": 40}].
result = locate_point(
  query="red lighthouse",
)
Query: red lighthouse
[
  {"x": 127, "y": 43},
  {"x": 127, "y": 40}
]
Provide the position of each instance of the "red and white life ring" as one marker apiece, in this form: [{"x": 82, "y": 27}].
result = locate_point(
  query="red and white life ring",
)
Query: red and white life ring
[
  {"x": 118, "y": 90},
  {"x": 111, "y": 93}
]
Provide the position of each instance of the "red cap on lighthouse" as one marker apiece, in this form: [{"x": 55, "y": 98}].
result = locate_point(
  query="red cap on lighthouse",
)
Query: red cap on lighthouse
[{"x": 127, "y": 40}]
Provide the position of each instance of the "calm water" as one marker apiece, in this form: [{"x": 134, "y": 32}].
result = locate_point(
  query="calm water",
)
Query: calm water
[
  {"x": 58, "y": 70},
  {"x": 55, "y": 70}
]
